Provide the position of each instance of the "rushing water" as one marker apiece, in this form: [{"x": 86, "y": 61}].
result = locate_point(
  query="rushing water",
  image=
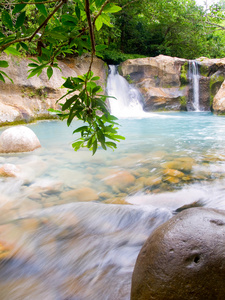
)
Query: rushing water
[
  {"x": 127, "y": 101},
  {"x": 194, "y": 76},
  {"x": 75, "y": 223}
]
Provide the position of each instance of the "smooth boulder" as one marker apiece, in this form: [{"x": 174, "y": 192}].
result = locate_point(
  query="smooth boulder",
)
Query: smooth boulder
[
  {"x": 183, "y": 259},
  {"x": 18, "y": 139}
]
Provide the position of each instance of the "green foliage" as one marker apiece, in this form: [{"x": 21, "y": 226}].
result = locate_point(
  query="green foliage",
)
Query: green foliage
[
  {"x": 54, "y": 29},
  {"x": 86, "y": 104},
  {"x": 115, "y": 57}
]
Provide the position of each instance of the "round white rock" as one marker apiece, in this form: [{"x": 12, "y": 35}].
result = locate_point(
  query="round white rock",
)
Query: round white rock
[{"x": 18, "y": 139}]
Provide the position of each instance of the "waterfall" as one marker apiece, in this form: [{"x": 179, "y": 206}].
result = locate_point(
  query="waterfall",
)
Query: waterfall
[
  {"x": 194, "y": 77},
  {"x": 128, "y": 102}
]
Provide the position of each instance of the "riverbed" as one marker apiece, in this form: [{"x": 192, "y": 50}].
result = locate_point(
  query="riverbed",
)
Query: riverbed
[{"x": 72, "y": 224}]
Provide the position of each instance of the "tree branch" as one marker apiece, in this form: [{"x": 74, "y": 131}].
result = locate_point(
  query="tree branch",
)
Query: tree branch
[
  {"x": 91, "y": 30},
  {"x": 30, "y": 38},
  {"x": 215, "y": 25},
  {"x": 22, "y": 2},
  {"x": 100, "y": 11}
]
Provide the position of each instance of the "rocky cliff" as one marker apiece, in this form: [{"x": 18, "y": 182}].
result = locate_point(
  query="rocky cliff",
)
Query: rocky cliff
[
  {"x": 30, "y": 99},
  {"x": 166, "y": 84}
]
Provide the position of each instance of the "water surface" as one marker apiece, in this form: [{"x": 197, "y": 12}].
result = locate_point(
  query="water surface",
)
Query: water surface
[{"x": 74, "y": 223}]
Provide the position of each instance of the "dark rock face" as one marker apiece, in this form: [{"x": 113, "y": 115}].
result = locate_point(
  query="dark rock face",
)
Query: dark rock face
[{"x": 183, "y": 259}]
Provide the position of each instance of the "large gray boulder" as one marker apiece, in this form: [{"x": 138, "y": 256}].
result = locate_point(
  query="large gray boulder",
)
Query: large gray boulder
[
  {"x": 183, "y": 259},
  {"x": 18, "y": 139}
]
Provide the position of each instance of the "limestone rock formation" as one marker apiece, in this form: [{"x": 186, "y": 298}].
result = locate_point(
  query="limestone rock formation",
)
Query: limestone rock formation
[
  {"x": 219, "y": 100},
  {"x": 18, "y": 139},
  {"x": 165, "y": 81},
  {"x": 29, "y": 99},
  {"x": 183, "y": 259},
  {"x": 212, "y": 76},
  {"x": 158, "y": 79}
]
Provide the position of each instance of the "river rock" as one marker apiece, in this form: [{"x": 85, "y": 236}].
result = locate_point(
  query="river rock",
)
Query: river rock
[
  {"x": 18, "y": 139},
  {"x": 219, "y": 100},
  {"x": 81, "y": 194},
  {"x": 183, "y": 259},
  {"x": 9, "y": 170},
  {"x": 120, "y": 180}
]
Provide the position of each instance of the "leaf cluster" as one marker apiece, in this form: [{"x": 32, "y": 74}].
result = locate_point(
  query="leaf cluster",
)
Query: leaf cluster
[{"x": 86, "y": 103}]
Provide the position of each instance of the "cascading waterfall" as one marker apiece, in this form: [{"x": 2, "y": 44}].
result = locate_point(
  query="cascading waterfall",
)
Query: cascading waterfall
[
  {"x": 127, "y": 101},
  {"x": 194, "y": 77}
]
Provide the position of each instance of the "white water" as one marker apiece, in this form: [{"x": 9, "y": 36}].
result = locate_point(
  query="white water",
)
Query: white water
[
  {"x": 127, "y": 101},
  {"x": 194, "y": 76}
]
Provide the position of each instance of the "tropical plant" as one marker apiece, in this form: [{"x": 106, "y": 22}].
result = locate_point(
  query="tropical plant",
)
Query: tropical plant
[{"x": 56, "y": 28}]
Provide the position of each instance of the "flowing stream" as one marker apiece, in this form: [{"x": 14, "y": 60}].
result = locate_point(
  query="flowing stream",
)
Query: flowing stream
[{"x": 72, "y": 224}]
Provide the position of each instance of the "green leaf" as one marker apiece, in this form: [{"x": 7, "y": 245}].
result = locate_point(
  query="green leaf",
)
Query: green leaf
[
  {"x": 111, "y": 8},
  {"x": 11, "y": 50},
  {"x": 6, "y": 20},
  {"x": 95, "y": 78},
  {"x": 2, "y": 35},
  {"x": 33, "y": 65},
  {"x": 96, "y": 89},
  {"x": 95, "y": 146},
  {"x": 49, "y": 72},
  {"x": 69, "y": 20},
  {"x": 99, "y": 3},
  {"x": 111, "y": 145},
  {"x": 3, "y": 64},
  {"x": 106, "y": 20},
  {"x": 82, "y": 128},
  {"x": 6, "y": 76},
  {"x": 69, "y": 102},
  {"x": 100, "y": 47},
  {"x": 2, "y": 78},
  {"x": 77, "y": 145},
  {"x": 19, "y": 7},
  {"x": 20, "y": 20},
  {"x": 42, "y": 9},
  {"x": 68, "y": 83},
  {"x": 98, "y": 23},
  {"x": 77, "y": 11},
  {"x": 24, "y": 46}
]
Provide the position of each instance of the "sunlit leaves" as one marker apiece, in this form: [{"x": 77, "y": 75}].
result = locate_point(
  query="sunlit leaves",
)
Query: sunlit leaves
[{"x": 11, "y": 50}]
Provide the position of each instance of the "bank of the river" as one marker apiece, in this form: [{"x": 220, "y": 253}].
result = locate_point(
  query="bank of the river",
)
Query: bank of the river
[{"x": 164, "y": 82}]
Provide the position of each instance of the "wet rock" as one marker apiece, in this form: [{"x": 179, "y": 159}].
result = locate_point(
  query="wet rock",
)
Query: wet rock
[
  {"x": 120, "y": 180},
  {"x": 174, "y": 173},
  {"x": 5, "y": 251},
  {"x": 171, "y": 179},
  {"x": 18, "y": 139},
  {"x": 158, "y": 79},
  {"x": 9, "y": 170},
  {"x": 153, "y": 180},
  {"x": 183, "y": 259},
  {"x": 82, "y": 194},
  {"x": 180, "y": 165}
]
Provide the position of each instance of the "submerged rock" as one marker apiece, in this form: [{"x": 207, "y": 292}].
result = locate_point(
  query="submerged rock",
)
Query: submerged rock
[
  {"x": 183, "y": 258},
  {"x": 18, "y": 139}
]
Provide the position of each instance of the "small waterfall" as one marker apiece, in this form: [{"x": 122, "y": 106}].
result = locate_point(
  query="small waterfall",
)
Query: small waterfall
[
  {"x": 194, "y": 77},
  {"x": 128, "y": 102}
]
